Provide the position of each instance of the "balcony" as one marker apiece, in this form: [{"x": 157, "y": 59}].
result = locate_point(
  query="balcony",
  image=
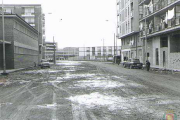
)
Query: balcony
[
  {"x": 28, "y": 15},
  {"x": 171, "y": 25},
  {"x": 158, "y": 7}
]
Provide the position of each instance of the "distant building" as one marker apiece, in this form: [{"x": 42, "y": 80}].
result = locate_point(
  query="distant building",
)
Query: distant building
[
  {"x": 98, "y": 52},
  {"x": 32, "y": 14},
  {"x": 21, "y": 43},
  {"x": 128, "y": 29},
  {"x": 50, "y": 47}
]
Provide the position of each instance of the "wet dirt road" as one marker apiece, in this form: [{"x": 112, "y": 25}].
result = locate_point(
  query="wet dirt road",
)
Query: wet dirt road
[{"x": 84, "y": 91}]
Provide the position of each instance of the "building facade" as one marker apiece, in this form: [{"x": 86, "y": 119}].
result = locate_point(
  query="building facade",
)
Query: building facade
[
  {"x": 21, "y": 42},
  {"x": 128, "y": 29},
  {"x": 160, "y": 31},
  {"x": 50, "y": 49},
  {"x": 33, "y": 15},
  {"x": 98, "y": 53}
]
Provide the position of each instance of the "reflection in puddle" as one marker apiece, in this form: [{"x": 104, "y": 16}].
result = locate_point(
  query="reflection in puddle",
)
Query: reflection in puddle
[{"x": 99, "y": 83}]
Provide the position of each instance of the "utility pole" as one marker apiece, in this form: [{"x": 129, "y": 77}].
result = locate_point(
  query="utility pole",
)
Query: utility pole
[
  {"x": 103, "y": 50},
  {"x": 114, "y": 48},
  {"x": 4, "y": 53},
  {"x": 54, "y": 51}
]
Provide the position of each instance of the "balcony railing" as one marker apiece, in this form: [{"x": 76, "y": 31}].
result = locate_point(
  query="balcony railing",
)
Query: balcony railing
[
  {"x": 156, "y": 7},
  {"x": 161, "y": 26}
]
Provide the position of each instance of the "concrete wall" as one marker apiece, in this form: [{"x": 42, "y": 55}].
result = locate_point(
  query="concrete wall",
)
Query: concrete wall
[
  {"x": 174, "y": 62},
  {"x": 26, "y": 48},
  {"x": 9, "y": 48},
  {"x": 23, "y": 50}
]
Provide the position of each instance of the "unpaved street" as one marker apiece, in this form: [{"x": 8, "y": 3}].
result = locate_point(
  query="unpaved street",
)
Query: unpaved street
[{"x": 73, "y": 90}]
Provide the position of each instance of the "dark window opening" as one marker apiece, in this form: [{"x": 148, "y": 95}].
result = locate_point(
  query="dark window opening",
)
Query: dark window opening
[
  {"x": 164, "y": 41},
  {"x": 175, "y": 43},
  {"x": 157, "y": 56},
  {"x": 147, "y": 54}
]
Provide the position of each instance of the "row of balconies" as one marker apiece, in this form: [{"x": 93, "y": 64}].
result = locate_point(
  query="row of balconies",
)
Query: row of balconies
[
  {"x": 156, "y": 7},
  {"x": 164, "y": 2},
  {"x": 161, "y": 26}
]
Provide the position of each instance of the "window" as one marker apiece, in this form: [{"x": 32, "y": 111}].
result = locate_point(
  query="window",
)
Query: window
[
  {"x": 175, "y": 43},
  {"x": 164, "y": 41},
  {"x": 157, "y": 56},
  {"x": 147, "y": 54}
]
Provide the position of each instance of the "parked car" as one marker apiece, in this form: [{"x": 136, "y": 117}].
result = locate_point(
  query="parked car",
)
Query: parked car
[
  {"x": 117, "y": 59},
  {"x": 44, "y": 63},
  {"x": 133, "y": 63},
  {"x": 110, "y": 59}
]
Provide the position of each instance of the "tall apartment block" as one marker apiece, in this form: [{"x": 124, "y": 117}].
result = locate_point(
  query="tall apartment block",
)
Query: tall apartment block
[
  {"x": 159, "y": 27},
  {"x": 128, "y": 29},
  {"x": 32, "y": 14}
]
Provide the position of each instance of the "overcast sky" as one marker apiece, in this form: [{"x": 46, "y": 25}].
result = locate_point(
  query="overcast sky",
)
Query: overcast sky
[{"x": 83, "y": 21}]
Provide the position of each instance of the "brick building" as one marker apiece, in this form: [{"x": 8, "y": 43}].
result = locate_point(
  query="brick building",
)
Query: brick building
[{"x": 21, "y": 43}]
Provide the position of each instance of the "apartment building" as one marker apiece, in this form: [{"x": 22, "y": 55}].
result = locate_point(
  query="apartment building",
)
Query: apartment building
[
  {"x": 160, "y": 31},
  {"x": 68, "y": 53},
  {"x": 128, "y": 29},
  {"x": 21, "y": 43},
  {"x": 32, "y": 14},
  {"x": 50, "y": 48},
  {"x": 98, "y": 52}
]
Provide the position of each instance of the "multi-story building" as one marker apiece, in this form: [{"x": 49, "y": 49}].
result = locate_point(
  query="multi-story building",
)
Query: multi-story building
[
  {"x": 21, "y": 43},
  {"x": 32, "y": 14},
  {"x": 50, "y": 49},
  {"x": 160, "y": 31},
  {"x": 98, "y": 53},
  {"x": 128, "y": 29},
  {"x": 68, "y": 53}
]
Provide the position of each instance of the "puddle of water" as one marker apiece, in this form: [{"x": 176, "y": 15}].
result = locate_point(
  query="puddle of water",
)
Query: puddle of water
[
  {"x": 67, "y": 66},
  {"x": 69, "y": 70},
  {"x": 69, "y": 63},
  {"x": 161, "y": 102},
  {"x": 96, "y": 99},
  {"x": 42, "y": 71},
  {"x": 6, "y": 103},
  {"x": 69, "y": 76},
  {"x": 48, "y": 106},
  {"x": 136, "y": 85},
  {"x": 99, "y": 84}
]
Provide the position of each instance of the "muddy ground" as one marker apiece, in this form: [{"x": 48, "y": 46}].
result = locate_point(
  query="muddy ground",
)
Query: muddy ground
[{"x": 72, "y": 90}]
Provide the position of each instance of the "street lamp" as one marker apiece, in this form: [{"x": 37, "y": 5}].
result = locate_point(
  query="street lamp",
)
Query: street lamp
[
  {"x": 4, "y": 53},
  {"x": 54, "y": 51},
  {"x": 103, "y": 50}
]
